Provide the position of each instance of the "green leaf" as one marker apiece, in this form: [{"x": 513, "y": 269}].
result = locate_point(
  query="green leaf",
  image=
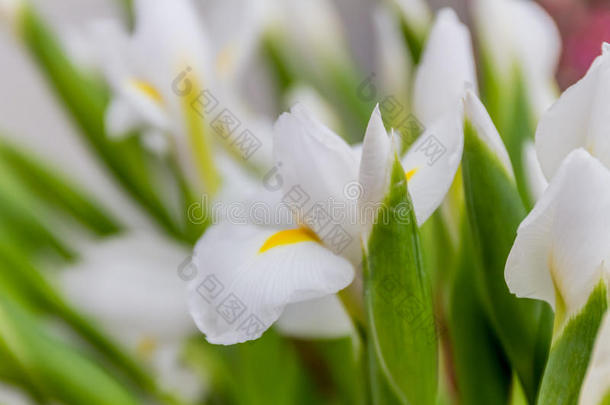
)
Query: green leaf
[
  {"x": 511, "y": 109},
  {"x": 23, "y": 217},
  {"x": 260, "y": 372},
  {"x": 495, "y": 210},
  {"x": 59, "y": 371},
  {"x": 398, "y": 303},
  {"x": 571, "y": 352},
  {"x": 483, "y": 375},
  {"x": 52, "y": 188}
]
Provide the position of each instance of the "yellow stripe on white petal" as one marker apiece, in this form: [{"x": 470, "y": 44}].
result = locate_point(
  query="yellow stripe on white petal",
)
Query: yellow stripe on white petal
[
  {"x": 147, "y": 89},
  {"x": 579, "y": 119},
  {"x": 239, "y": 293},
  {"x": 596, "y": 385},
  {"x": 447, "y": 65},
  {"x": 287, "y": 237},
  {"x": 431, "y": 163},
  {"x": 562, "y": 248}
]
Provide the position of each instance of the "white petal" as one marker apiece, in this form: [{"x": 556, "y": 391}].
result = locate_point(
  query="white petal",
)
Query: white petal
[
  {"x": 121, "y": 118},
  {"x": 323, "y": 318},
  {"x": 431, "y": 163},
  {"x": 479, "y": 117},
  {"x": 240, "y": 291},
  {"x": 447, "y": 65},
  {"x": 596, "y": 384},
  {"x": 318, "y": 168},
  {"x": 580, "y": 118},
  {"x": 563, "y": 245},
  {"x": 378, "y": 157},
  {"x": 316, "y": 104},
  {"x": 131, "y": 286},
  {"x": 536, "y": 182}
]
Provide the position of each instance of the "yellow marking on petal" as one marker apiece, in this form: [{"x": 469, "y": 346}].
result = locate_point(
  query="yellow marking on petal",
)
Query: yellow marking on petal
[
  {"x": 148, "y": 89},
  {"x": 200, "y": 142},
  {"x": 288, "y": 237},
  {"x": 225, "y": 60},
  {"x": 146, "y": 347},
  {"x": 411, "y": 173}
]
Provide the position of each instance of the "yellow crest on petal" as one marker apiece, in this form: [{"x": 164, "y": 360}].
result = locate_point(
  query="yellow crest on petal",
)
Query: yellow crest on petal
[
  {"x": 148, "y": 89},
  {"x": 411, "y": 173},
  {"x": 289, "y": 236}
]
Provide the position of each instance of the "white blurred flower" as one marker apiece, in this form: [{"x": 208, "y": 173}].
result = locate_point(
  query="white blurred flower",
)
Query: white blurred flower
[
  {"x": 130, "y": 285},
  {"x": 312, "y": 29},
  {"x": 520, "y": 34},
  {"x": 563, "y": 246},
  {"x": 579, "y": 119},
  {"x": 174, "y": 75},
  {"x": 394, "y": 61}
]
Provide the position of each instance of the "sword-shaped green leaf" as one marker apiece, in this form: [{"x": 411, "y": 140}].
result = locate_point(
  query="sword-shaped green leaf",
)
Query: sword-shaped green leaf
[
  {"x": 571, "y": 352},
  {"x": 495, "y": 210},
  {"x": 398, "y": 304},
  {"x": 59, "y": 371}
]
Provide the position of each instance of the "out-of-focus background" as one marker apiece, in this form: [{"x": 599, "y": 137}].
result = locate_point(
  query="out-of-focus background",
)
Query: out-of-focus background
[{"x": 28, "y": 111}]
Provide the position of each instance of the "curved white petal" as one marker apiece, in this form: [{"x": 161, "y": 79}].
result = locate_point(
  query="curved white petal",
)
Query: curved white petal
[
  {"x": 431, "y": 163},
  {"x": 376, "y": 163},
  {"x": 478, "y": 116},
  {"x": 323, "y": 318},
  {"x": 596, "y": 385},
  {"x": 318, "y": 169},
  {"x": 536, "y": 182},
  {"x": 580, "y": 118},
  {"x": 316, "y": 104},
  {"x": 242, "y": 288},
  {"x": 447, "y": 65},
  {"x": 131, "y": 286},
  {"x": 520, "y": 32},
  {"x": 562, "y": 247}
]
